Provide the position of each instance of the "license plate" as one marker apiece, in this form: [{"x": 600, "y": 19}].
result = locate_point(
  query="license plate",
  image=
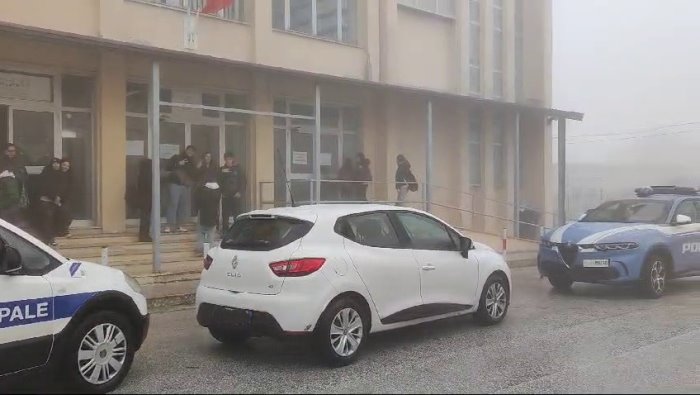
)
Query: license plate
[{"x": 596, "y": 263}]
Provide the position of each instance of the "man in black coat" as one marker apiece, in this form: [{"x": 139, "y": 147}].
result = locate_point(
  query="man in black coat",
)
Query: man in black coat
[
  {"x": 144, "y": 187},
  {"x": 233, "y": 183}
]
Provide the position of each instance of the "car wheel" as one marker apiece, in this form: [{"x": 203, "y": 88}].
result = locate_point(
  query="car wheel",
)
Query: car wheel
[
  {"x": 100, "y": 353},
  {"x": 341, "y": 332},
  {"x": 494, "y": 301},
  {"x": 654, "y": 276},
  {"x": 229, "y": 336},
  {"x": 561, "y": 282}
]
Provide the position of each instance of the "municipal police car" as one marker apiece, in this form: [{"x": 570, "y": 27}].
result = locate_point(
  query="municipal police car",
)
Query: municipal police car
[
  {"x": 81, "y": 320},
  {"x": 645, "y": 241}
]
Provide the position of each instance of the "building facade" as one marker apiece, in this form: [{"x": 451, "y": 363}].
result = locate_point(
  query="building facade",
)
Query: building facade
[{"x": 74, "y": 81}]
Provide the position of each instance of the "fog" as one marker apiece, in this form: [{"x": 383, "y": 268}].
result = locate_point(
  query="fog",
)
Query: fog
[{"x": 632, "y": 66}]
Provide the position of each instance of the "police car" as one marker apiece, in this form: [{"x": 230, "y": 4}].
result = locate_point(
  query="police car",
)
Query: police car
[
  {"x": 80, "y": 320},
  {"x": 644, "y": 241}
]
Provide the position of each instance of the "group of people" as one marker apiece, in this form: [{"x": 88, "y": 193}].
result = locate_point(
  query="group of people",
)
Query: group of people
[
  {"x": 354, "y": 177},
  {"x": 46, "y": 204},
  {"x": 187, "y": 178}
]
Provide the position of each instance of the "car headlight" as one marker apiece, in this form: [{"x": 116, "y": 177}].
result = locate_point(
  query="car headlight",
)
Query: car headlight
[
  {"x": 133, "y": 284},
  {"x": 616, "y": 246}
]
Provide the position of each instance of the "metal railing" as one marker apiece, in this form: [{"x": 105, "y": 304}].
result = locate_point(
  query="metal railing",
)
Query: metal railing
[{"x": 463, "y": 210}]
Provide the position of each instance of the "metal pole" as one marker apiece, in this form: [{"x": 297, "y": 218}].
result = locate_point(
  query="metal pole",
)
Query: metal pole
[
  {"x": 317, "y": 145},
  {"x": 562, "y": 171},
  {"x": 155, "y": 162},
  {"x": 516, "y": 187},
  {"x": 429, "y": 159}
]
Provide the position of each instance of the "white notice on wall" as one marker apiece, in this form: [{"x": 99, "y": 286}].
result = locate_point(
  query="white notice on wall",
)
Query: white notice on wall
[
  {"x": 25, "y": 87},
  {"x": 167, "y": 151},
  {"x": 134, "y": 148},
  {"x": 300, "y": 158},
  {"x": 326, "y": 159}
]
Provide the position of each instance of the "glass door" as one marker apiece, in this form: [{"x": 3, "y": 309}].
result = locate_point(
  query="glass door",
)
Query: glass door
[
  {"x": 76, "y": 145},
  {"x": 4, "y": 125},
  {"x": 172, "y": 142},
  {"x": 33, "y": 134}
]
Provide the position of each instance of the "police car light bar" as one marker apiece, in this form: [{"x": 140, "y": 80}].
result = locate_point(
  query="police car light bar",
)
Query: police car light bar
[{"x": 665, "y": 190}]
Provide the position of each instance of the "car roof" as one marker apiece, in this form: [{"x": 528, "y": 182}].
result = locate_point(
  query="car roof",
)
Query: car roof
[{"x": 314, "y": 211}]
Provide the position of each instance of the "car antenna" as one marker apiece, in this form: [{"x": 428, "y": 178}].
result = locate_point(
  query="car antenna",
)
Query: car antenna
[{"x": 286, "y": 181}]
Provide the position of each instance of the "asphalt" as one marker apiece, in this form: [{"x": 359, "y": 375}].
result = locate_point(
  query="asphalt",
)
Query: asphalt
[{"x": 595, "y": 339}]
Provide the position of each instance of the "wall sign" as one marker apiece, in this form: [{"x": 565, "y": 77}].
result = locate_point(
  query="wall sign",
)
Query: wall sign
[{"x": 25, "y": 87}]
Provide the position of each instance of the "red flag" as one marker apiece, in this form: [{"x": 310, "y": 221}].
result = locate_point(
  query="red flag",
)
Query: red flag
[{"x": 214, "y": 6}]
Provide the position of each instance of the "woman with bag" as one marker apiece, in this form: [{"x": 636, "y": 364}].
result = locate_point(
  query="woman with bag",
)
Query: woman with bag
[{"x": 405, "y": 180}]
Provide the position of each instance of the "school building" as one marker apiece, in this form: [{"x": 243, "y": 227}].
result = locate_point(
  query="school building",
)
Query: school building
[{"x": 74, "y": 81}]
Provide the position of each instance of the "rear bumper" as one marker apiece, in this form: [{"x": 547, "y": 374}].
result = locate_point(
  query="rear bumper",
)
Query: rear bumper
[{"x": 288, "y": 312}]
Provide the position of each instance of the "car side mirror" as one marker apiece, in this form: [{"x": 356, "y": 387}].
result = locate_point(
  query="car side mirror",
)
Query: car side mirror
[
  {"x": 11, "y": 262},
  {"x": 466, "y": 246},
  {"x": 682, "y": 220}
]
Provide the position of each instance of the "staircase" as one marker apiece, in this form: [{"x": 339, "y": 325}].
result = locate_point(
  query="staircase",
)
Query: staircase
[{"x": 180, "y": 265}]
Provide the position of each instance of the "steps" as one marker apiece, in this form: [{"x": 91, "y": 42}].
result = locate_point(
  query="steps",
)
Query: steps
[{"x": 181, "y": 266}]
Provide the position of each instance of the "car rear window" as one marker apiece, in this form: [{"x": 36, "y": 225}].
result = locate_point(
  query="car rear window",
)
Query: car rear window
[{"x": 264, "y": 233}]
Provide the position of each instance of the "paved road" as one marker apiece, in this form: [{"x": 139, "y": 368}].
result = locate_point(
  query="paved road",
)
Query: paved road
[{"x": 597, "y": 339}]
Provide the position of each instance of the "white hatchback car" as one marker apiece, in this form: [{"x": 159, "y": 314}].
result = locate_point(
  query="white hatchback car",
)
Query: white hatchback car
[{"x": 340, "y": 272}]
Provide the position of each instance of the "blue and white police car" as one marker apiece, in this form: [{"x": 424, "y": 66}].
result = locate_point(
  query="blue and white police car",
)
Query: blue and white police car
[
  {"x": 644, "y": 241},
  {"x": 80, "y": 320}
]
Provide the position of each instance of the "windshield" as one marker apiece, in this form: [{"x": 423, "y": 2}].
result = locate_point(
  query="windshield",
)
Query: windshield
[
  {"x": 264, "y": 234},
  {"x": 630, "y": 211}
]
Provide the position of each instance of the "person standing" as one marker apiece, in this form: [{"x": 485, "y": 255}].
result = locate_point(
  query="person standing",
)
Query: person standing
[
  {"x": 50, "y": 185},
  {"x": 209, "y": 198},
  {"x": 144, "y": 188},
  {"x": 13, "y": 181},
  {"x": 233, "y": 183},
  {"x": 346, "y": 175},
  {"x": 64, "y": 213},
  {"x": 183, "y": 174},
  {"x": 363, "y": 176},
  {"x": 405, "y": 180}
]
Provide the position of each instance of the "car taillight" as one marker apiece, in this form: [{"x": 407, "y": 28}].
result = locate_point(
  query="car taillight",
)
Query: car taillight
[
  {"x": 297, "y": 267},
  {"x": 207, "y": 262}
]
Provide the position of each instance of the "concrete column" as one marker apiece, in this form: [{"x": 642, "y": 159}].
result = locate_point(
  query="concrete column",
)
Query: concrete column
[
  {"x": 388, "y": 26},
  {"x": 369, "y": 36},
  {"x": 261, "y": 22},
  {"x": 111, "y": 126},
  {"x": 262, "y": 142}
]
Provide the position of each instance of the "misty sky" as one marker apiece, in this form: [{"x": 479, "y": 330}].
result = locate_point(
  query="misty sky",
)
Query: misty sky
[{"x": 629, "y": 65}]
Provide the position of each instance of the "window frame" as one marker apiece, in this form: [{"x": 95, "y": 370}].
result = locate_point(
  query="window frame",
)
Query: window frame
[
  {"x": 52, "y": 265},
  {"x": 475, "y": 84},
  {"x": 236, "y": 13},
  {"x": 437, "y": 7},
  {"x": 342, "y": 225},
  {"x": 448, "y": 230},
  {"x": 498, "y": 49},
  {"x": 353, "y": 41}
]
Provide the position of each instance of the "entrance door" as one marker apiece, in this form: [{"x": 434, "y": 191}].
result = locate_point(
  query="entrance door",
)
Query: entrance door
[
  {"x": 33, "y": 134},
  {"x": 76, "y": 143},
  {"x": 4, "y": 125},
  {"x": 172, "y": 142}
]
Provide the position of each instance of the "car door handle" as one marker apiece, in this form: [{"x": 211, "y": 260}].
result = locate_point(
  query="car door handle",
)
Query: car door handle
[{"x": 428, "y": 268}]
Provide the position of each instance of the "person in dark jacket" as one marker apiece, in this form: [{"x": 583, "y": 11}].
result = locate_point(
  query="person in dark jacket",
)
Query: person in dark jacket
[
  {"x": 405, "y": 180},
  {"x": 347, "y": 174},
  {"x": 64, "y": 213},
  {"x": 50, "y": 187},
  {"x": 182, "y": 177},
  {"x": 363, "y": 175},
  {"x": 13, "y": 182},
  {"x": 144, "y": 188},
  {"x": 233, "y": 183},
  {"x": 207, "y": 171}
]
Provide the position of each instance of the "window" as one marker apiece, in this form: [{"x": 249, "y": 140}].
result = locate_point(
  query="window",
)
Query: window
[
  {"x": 373, "y": 230},
  {"x": 235, "y": 12},
  {"x": 264, "y": 233},
  {"x": 630, "y": 211},
  {"x": 210, "y": 100},
  {"x": 34, "y": 260},
  {"x": 329, "y": 19},
  {"x": 689, "y": 208},
  {"x": 426, "y": 233},
  {"x": 475, "y": 140},
  {"x": 76, "y": 91},
  {"x": 474, "y": 46},
  {"x": 438, "y": 7},
  {"x": 498, "y": 151},
  {"x": 519, "y": 58},
  {"x": 498, "y": 48}
]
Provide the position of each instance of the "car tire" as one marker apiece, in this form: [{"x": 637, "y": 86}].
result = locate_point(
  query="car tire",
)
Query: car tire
[
  {"x": 561, "y": 282},
  {"x": 99, "y": 353},
  {"x": 654, "y": 276},
  {"x": 341, "y": 332},
  {"x": 229, "y": 337},
  {"x": 494, "y": 301}
]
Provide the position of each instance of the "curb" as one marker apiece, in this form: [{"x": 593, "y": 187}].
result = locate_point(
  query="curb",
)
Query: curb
[{"x": 164, "y": 302}]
